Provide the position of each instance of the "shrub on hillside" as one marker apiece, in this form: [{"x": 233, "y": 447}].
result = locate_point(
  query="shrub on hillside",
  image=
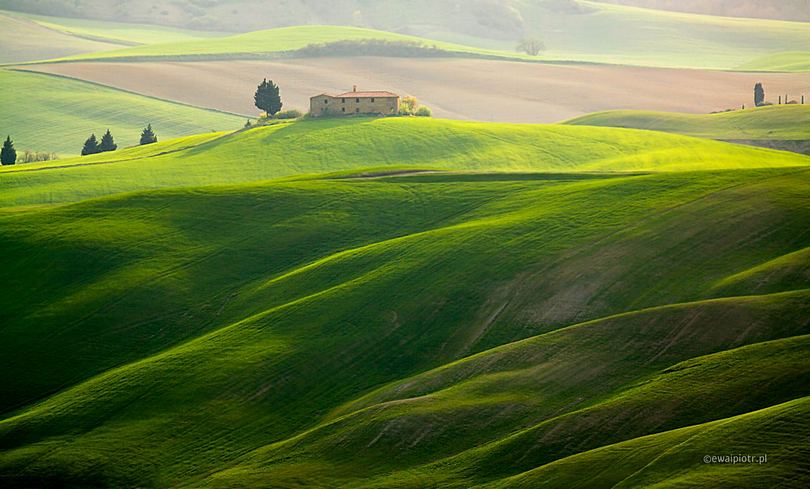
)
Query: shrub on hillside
[
  {"x": 531, "y": 46},
  {"x": 371, "y": 47},
  {"x": 288, "y": 114},
  {"x": 423, "y": 111},
  {"x": 36, "y": 156},
  {"x": 408, "y": 106}
]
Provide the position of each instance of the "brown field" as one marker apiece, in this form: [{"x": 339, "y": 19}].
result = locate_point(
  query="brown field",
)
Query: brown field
[{"x": 455, "y": 88}]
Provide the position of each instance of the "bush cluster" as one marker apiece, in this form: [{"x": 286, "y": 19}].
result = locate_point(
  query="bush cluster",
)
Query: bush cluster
[
  {"x": 371, "y": 47},
  {"x": 36, "y": 156},
  {"x": 409, "y": 106},
  {"x": 288, "y": 114}
]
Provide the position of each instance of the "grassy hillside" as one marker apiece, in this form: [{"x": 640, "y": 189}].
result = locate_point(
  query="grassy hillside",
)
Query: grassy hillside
[
  {"x": 407, "y": 331},
  {"x": 319, "y": 146},
  {"x": 116, "y": 32},
  {"x": 798, "y": 61},
  {"x": 50, "y": 113},
  {"x": 676, "y": 458},
  {"x": 594, "y": 32},
  {"x": 572, "y": 29},
  {"x": 786, "y": 122},
  {"x": 795, "y": 10},
  {"x": 271, "y": 42}
]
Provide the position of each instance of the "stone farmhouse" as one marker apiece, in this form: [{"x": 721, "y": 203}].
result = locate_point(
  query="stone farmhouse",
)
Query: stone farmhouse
[{"x": 354, "y": 102}]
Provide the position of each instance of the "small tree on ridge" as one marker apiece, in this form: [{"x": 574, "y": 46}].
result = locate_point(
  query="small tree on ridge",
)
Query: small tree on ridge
[
  {"x": 148, "y": 136},
  {"x": 90, "y": 146},
  {"x": 268, "y": 97},
  {"x": 532, "y": 47},
  {"x": 107, "y": 143},
  {"x": 8, "y": 155},
  {"x": 759, "y": 94}
]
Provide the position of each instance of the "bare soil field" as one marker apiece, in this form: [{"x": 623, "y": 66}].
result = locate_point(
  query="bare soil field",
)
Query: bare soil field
[{"x": 484, "y": 90}]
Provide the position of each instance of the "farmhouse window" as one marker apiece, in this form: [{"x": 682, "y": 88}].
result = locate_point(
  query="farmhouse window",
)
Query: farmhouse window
[
  {"x": 326, "y": 101},
  {"x": 357, "y": 100},
  {"x": 343, "y": 100},
  {"x": 372, "y": 101},
  {"x": 343, "y": 109}
]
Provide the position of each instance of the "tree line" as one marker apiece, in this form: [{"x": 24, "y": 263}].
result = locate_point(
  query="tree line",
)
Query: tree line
[{"x": 8, "y": 154}]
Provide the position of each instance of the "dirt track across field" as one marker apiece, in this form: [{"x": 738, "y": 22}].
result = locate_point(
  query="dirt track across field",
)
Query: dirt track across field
[{"x": 455, "y": 88}]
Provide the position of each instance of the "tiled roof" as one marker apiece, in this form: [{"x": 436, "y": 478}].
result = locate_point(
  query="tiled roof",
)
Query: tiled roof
[{"x": 380, "y": 94}]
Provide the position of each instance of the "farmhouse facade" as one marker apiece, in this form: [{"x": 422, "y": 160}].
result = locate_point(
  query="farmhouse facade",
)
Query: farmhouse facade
[{"x": 354, "y": 103}]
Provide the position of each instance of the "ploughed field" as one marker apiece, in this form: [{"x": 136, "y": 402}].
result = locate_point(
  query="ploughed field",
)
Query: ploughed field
[
  {"x": 486, "y": 90},
  {"x": 407, "y": 303}
]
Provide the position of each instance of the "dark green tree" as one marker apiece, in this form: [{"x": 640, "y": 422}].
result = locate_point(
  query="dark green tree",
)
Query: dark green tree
[
  {"x": 531, "y": 46},
  {"x": 107, "y": 143},
  {"x": 268, "y": 97},
  {"x": 90, "y": 146},
  {"x": 148, "y": 136},
  {"x": 759, "y": 94},
  {"x": 8, "y": 155}
]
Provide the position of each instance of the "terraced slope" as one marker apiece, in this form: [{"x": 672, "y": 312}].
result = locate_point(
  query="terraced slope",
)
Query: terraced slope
[
  {"x": 786, "y": 122},
  {"x": 319, "y": 146},
  {"x": 447, "y": 329},
  {"x": 75, "y": 109}
]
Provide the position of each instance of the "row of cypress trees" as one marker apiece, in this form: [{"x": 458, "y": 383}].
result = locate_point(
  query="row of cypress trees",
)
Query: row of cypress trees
[
  {"x": 8, "y": 155},
  {"x": 94, "y": 146}
]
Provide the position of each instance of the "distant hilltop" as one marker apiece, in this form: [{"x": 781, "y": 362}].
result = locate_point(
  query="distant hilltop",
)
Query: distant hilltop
[{"x": 491, "y": 19}]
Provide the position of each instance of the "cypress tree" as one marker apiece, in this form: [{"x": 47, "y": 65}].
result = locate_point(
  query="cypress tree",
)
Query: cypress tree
[
  {"x": 8, "y": 155},
  {"x": 148, "y": 136},
  {"x": 107, "y": 143},
  {"x": 90, "y": 146},
  {"x": 268, "y": 97},
  {"x": 759, "y": 94}
]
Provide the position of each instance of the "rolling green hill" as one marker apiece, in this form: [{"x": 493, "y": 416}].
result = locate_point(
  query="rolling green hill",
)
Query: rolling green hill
[
  {"x": 51, "y": 113},
  {"x": 780, "y": 9},
  {"x": 267, "y": 43},
  {"x": 786, "y": 122},
  {"x": 577, "y": 30},
  {"x": 406, "y": 303},
  {"x": 116, "y": 32},
  {"x": 28, "y": 38},
  {"x": 441, "y": 329},
  {"x": 785, "y": 62},
  {"x": 594, "y": 32},
  {"x": 321, "y": 146}
]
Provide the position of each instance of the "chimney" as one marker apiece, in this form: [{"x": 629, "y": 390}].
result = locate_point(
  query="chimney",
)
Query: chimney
[{"x": 354, "y": 88}]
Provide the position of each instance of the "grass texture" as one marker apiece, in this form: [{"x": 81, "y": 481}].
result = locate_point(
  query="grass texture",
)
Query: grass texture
[{"x": 296, "y": 306}]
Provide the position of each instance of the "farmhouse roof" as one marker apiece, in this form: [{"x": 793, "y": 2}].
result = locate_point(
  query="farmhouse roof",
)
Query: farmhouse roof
[{"x": 379, "y": 94}]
